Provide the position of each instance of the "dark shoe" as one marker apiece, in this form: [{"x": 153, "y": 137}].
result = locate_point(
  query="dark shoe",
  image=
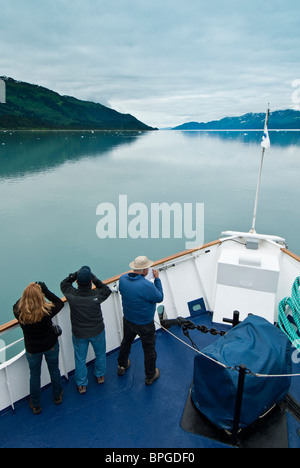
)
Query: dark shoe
[
  {"x": 36, "y": 409},
  {"x": 151, "y": 380},
  {"x": 81, "y": 389},
  {"x": 58, "y": 401},
  {"x": 122, "y": 370},
  {"x": 100, "y": 380}
]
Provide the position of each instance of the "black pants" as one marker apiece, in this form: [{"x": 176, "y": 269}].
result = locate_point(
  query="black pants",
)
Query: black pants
[{"x": 147, "y": 335}]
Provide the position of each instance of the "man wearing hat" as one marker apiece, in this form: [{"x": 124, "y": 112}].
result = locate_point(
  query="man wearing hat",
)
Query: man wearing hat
[
  {"x": 139, "y": 299},
  {"x": 87, "y": 322}
]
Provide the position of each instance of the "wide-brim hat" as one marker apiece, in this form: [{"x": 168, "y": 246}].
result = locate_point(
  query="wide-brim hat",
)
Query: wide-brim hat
[{"x": 141, "y": 263}]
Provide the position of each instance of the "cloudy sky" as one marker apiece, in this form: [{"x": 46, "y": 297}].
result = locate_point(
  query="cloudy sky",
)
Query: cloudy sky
[{"x": 165, "y": 61}]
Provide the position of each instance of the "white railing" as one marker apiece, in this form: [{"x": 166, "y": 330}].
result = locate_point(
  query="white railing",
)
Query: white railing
[
  {"x": 14, "y": 373},
  {"x": 190, "y": 277}
]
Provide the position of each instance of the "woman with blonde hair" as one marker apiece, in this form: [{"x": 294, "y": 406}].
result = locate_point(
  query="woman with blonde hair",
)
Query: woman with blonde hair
[{"x": 35, "y": 315}]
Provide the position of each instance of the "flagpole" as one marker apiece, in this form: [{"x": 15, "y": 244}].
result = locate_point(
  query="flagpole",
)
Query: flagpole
[{"x": 259, "y": 176}]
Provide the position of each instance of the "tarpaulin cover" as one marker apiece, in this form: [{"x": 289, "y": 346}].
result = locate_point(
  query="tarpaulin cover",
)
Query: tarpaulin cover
[{"x": 264, "y": 349}]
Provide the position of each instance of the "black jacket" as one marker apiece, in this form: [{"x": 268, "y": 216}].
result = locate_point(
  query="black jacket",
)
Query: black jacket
[
  {"x": 40, "y": 337},
  {"x": 86, "y": 314}
]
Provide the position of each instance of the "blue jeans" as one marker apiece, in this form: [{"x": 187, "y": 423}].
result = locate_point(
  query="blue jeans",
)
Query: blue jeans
[
  {"x": 35, "y": 364},
  {"x": 80, "y": 352}
]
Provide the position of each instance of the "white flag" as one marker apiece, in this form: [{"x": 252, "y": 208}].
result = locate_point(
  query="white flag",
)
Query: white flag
[{"x": 265, "y": 143}]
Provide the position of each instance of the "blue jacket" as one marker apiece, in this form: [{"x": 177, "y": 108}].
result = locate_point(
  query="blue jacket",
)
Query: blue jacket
[{"x": 139, "y": 297}]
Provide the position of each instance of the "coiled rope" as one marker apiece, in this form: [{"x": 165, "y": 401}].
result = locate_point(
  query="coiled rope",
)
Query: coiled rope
[{"x": 294, "y": 304}]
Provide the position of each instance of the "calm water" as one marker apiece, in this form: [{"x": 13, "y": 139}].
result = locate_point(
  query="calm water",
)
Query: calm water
[{"x": 52, "y": 182}]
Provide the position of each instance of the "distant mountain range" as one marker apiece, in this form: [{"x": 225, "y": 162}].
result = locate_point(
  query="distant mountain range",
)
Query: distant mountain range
[
  {"x": 29, "y": 106},
  {"x": 281, "y": 119}
]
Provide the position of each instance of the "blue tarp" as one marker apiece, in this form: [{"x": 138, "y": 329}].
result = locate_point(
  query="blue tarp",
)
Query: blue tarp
[{"x": 264, "y": 349}]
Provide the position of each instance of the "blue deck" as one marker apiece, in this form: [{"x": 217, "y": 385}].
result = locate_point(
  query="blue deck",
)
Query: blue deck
[{"x": 123, "y": 412}]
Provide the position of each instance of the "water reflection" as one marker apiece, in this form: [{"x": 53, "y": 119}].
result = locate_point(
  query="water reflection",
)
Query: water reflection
[
  {"x": 280, "y": 138},
  {"x": 22, "y": 153},
  {"x": 52, "y": 182}
]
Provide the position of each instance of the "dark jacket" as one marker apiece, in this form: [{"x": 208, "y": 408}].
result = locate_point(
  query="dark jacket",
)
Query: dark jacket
[
  {"x": 86, "y": 314},
  {"x": 40, "y": 337}
]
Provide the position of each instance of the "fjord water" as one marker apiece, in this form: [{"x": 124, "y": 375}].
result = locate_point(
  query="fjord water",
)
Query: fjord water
[{"x": 51, "y": 184}]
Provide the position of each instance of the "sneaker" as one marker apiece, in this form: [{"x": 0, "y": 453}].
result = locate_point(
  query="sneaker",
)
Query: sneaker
[
  {"x": 122, "y": 370},
  {"x": 149, "y": 381},
  {"x": 36, "y": 409},
  {"x": 81, "y": 389},
  {"x": 58, "y": 401}
]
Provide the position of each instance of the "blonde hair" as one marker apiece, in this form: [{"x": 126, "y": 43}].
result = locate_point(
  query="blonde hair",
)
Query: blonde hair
[{"x": 32, "y": 305}]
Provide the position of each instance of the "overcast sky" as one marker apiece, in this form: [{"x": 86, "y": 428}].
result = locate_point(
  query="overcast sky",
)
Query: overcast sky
[{"x": 164, "y": 61}]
